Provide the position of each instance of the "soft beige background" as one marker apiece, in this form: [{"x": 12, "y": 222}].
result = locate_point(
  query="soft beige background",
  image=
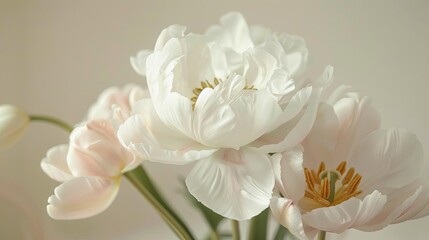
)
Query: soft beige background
[{"x": 57, "y": 56}]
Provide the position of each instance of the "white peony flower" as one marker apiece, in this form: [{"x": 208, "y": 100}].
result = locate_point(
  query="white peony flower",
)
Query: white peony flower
[
  {"x": 228, "y": 116},
  {"x": 13, "y": 123},
  {"x": 350, "y": 173}
]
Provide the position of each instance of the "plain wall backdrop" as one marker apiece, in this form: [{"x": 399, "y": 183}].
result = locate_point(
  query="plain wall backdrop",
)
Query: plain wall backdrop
[{"x": 57, "y": 56}]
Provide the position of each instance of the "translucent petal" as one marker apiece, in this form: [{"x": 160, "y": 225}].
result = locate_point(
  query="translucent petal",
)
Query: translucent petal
[
  {"x": 234, "y": 184},
  {"x": 82, "y": 197}
]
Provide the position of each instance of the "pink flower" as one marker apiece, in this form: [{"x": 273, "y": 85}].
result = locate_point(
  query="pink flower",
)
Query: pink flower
[
  {"x": 91, "y": 166},
  {"x": 90, "y": 170}
]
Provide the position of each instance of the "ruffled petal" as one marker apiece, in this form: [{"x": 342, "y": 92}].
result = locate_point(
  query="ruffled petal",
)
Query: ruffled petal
[
  {"x": 82, "y": 197},
  {"x": 231, "y": 117},
  {"x": 234, "y": 184},
  {"x": 55, "y": 163},
  {"x": 295, "y": 130},
  {"x": 288, "y": 215},
  {"x": 233, "y": 32},
  {"x": 148, "y": 138},
  {"x": 349, "y": 214}
]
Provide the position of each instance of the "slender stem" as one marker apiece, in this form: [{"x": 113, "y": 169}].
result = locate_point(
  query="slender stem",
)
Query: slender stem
[
  {"x": 258, "y": 226},
  {"x": 52, "y": 120},
  {"x": 322, "y": 235},
  {"x": 214, "y": 235},
  {"x": 235, "y": 230},
  {"x": 135, "y": 177}
]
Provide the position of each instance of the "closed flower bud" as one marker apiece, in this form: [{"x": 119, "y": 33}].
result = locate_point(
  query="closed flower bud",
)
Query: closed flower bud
[{"x": 13, "y": 123}]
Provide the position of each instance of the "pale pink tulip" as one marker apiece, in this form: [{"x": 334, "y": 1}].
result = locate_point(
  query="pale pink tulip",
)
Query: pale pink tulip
[{"x": 350, "y": 173}]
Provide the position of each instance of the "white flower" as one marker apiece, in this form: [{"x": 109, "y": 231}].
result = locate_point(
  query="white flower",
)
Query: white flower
[
  {"x": 350, "y": 174},
  {"x": 13, "y": 123},
  {"x": 227, "y": 117},
  {"x": 90, "y": 170},
  {"x": 236, "y": 37}
]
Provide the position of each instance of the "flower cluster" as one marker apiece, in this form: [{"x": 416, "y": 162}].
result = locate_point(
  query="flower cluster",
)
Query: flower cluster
[{"x": 236, "y": 102}]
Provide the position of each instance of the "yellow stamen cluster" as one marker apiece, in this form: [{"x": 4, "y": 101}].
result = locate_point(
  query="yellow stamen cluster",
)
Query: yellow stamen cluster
[
  {"x": 324, "y": 188},
  {"x": 206, "y": 84}
]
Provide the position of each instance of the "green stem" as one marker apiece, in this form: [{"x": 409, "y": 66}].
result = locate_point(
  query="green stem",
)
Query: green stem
[
  {"x": 138, "y": 178},
  {"x": 52, "y": 120},
  {"x": 322, "y": 235},
  {"x": 258, "y": 226},
  {"x": 214, "y": 235},
  {"x": 235, "y": 230},
  {"x": 281, "y": 233}
]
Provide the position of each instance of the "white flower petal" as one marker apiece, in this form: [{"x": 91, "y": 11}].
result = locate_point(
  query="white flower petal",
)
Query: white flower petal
[
  {"x": 234, "y": 184},
  {"x": 389, "y": 158},
  {"x": 292, "y": 173},
  {"x": 349, "y": 214},
  {"x": 82, "y": 197},
  {"x": 224, "y": 116},
  {"x": 288, "y": 215},
  {"x": 55, "y": 163},
  {"x": 298, "y": 129},
  {"x": 261, "y": 67},
  {"x": 398, "y": 207},
  {"x": 233, "y": 32},
  {"x": 321, "y": 142},
  {"x": 173, "y": 31},
  {"x": 148, "y": 138},
  {"x": 357, "y": 118},
  {"x": 139, "y": 61}
]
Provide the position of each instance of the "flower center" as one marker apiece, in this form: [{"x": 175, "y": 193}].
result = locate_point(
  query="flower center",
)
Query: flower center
[
  {"x": 329, "y": 187},
  {"x": 207, "y": 84}
]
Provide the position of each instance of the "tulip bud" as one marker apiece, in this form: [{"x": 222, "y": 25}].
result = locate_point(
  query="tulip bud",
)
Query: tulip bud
[{"x": 13, "y": 123}]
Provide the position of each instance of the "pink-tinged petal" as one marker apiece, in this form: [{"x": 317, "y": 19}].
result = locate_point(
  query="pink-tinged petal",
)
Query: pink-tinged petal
[
  {"x": 55, "y": 163},
  {"x": 401, "y": 206},
  {"x": 234, "y": 184},
  {"x": 110, "y": 97},
  {"x": 139, "y": 61},
  {"x": 292, "y": 173},
  {"x": 297, "y": 129},
  {"x": 82, "y": 197},
  {"x": 357, "y": 118},
  {"x": 389, "y": 158},
  {"x": 95, "y": 151},
  {"x": 349, "y": 214},
  {"x": 321, "y": 142},
  {"x": 288, "y": 215}
]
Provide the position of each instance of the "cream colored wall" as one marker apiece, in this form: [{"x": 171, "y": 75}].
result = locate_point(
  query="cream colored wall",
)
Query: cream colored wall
[{"x": 56, "y": 56}]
